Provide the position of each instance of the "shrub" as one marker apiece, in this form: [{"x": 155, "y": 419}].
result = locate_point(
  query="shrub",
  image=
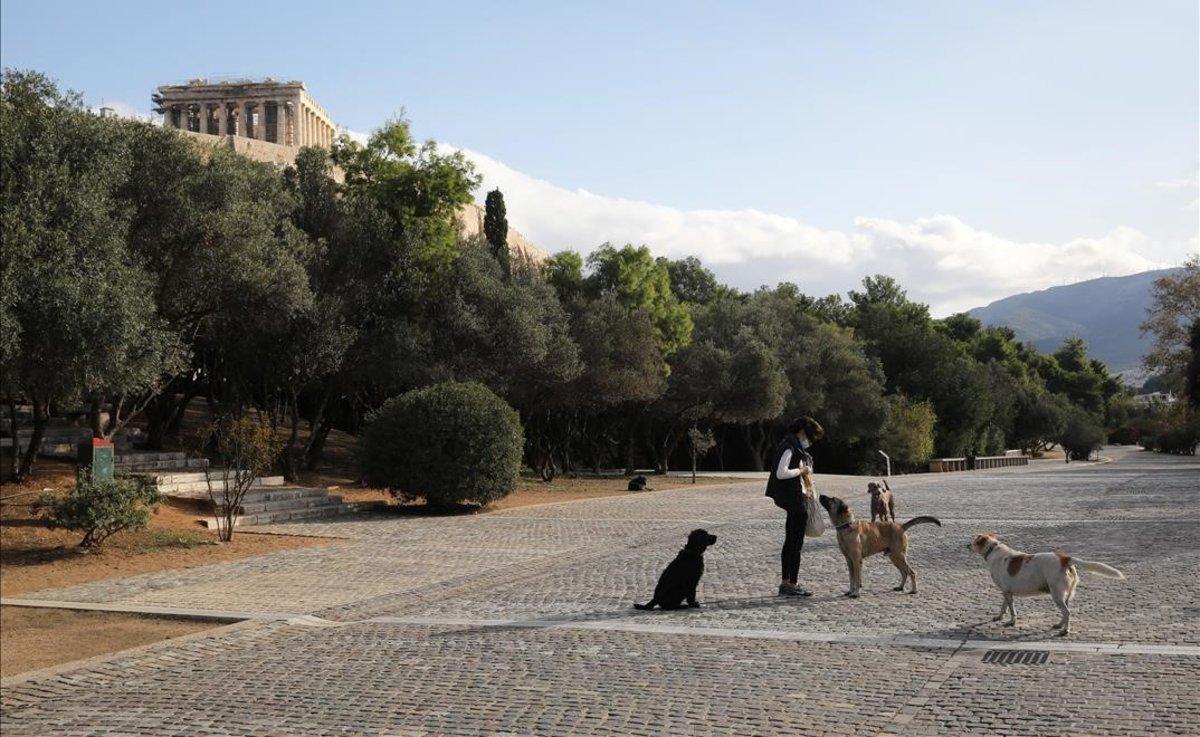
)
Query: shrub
[
  {"x": 448, "y": 443},
  {"x": 1081, "y": 434},
  {"x": 100, "y": 509},
  {"x": 908, "y": 433},
  {"x": 246, "y": 448}
]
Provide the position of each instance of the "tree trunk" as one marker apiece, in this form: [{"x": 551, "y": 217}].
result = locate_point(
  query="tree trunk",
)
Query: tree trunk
[
  {"x": 316, "y": 444},
  {"x": 721, "y": 448},
  {"x": 290, "y": 461},
  {"x": 666, "y": 450},
  {"x": 756, "y": 460},
  {"x": 35, "y": 440},
  {"x": 15, "y": 469},
  {"x": 316, "y": 438},
  {"x": 630, "y": 448},
  {"x": 179, "y": 411},
  {"x": 763, "y": 447},
  {"x": 94, "y": 412}
]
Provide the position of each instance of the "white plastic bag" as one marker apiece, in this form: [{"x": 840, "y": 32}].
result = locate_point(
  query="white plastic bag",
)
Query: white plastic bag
[{"x": 816, "y": 520}]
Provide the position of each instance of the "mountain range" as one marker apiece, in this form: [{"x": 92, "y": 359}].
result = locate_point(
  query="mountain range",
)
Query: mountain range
[{"x": 1106, "y": 312}]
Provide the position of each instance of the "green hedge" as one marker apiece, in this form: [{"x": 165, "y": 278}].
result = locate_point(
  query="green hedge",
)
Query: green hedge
[{"x": 448, "y": 444}]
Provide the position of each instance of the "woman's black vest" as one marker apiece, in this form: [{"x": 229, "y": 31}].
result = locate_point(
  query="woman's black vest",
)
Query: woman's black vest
[{"x": 787, "y": 488}]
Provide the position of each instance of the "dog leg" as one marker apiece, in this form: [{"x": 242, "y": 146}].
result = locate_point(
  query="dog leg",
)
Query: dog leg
[
  {"x": 648, "y": 605},
  {"x": 691, "y": 600},
  {"x": 854, "y": 583},
  {"x": 1003, "y": 609},
  {"x": 900, "y": 566},
  {"x": 1060, "y": 601},
  {"x": 1008, "y": 601}
]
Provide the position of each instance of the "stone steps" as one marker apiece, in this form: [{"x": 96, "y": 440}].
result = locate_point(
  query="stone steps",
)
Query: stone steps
[
  {"x": 194, "y": 484},
  {"x": 128, "y": 463},
  {"x": 164, "y": 465},
  {"x": 288, "y": 504}
]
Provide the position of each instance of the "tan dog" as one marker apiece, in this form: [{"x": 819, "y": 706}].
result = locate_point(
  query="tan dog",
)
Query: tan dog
[
  {"x": 883, "y": 503},
  {"x": 1020, "y": 574},
  {"x": 859, "y": 540}
]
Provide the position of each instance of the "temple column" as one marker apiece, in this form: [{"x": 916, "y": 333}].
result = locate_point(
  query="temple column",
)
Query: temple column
[
  {"x": 280, "y": 129},
  {"x": 289, "y": 125},
  {"x": 222, "y": 119},
  {"x": 247, "y": 116}
]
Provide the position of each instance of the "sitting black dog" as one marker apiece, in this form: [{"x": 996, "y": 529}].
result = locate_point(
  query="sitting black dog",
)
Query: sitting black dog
[
  {"x": 638, "y": 483},
  {"x": 682, "y": 575}
]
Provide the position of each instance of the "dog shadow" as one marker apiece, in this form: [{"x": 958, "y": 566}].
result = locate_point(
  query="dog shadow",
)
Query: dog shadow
[{"x": 634, "y": 615}]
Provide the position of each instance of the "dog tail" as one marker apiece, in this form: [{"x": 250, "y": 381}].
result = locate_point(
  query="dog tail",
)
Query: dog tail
[
  {"x": 1100, "y": 569},
  {"x": 920, "y": 521}
]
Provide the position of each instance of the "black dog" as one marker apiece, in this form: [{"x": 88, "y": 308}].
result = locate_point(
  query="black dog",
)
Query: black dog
[
  {"x": 639, "y": 483},
  {"x": 682, "y": 575}
]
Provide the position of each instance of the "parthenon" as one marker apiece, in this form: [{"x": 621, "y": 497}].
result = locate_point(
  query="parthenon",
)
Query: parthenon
[{"x": 276, "y": 112}]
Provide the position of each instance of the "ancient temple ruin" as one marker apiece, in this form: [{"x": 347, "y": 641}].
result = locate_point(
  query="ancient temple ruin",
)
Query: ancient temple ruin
[
  {"x": 282, "y": 113},
  {"x": 270, "y": 121}
]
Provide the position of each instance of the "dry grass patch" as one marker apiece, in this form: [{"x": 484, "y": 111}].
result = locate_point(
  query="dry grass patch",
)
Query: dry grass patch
[{"x": 38, "y": 638}]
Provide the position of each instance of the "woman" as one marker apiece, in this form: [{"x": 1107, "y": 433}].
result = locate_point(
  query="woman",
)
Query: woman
[{"x": 791, "y": 476}]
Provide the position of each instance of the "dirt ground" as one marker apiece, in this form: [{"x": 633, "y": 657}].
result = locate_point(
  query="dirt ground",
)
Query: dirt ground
[
  {"x": 37, "y": 638},
  {"x": 34, "y": 557},
  {"x": 528, "y": 492}
]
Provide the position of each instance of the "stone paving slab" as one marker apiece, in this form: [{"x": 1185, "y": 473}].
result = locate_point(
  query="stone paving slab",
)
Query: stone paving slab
[
  {"x": 519, "y": 622},
  {"x": 380, "y": 679}
]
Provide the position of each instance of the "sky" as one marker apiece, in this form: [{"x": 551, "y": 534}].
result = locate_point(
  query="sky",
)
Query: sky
[{"x": 972, "y": 150}]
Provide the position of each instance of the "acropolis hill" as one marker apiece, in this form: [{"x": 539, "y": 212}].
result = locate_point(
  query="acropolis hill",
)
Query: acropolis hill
[{"x": 270, "y": 121}]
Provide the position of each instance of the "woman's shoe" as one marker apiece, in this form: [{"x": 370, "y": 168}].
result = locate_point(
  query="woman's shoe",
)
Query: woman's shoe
[{"x": 787, "y": 589}]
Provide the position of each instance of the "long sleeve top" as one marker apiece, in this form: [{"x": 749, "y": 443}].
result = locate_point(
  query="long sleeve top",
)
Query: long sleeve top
[{"x": 783, "y": 472}]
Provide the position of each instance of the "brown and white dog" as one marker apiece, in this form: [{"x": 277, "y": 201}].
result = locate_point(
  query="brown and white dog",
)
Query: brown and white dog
[
  {"x": 1021, "y": 574},
  {"x": 883, "y": 504},
  {"x": 859, "y": 540}
]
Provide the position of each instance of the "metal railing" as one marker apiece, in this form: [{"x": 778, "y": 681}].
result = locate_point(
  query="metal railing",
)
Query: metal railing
[{"x": 981, "y": 463}]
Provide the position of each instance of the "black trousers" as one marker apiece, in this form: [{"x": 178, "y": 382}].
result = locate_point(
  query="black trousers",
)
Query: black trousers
[{"x": 793, "y": 538}]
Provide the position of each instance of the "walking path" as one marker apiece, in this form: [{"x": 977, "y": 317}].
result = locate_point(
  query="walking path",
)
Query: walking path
[{"x": 519, "y": 622}]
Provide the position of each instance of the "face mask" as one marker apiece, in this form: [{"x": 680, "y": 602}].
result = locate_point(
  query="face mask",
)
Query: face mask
[{"x": 804, "y": 443}]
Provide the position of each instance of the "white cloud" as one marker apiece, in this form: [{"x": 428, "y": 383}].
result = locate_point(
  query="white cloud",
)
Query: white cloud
[
  {"x": 1176, "y": 184},
  {"x": 939, "y": 259}
]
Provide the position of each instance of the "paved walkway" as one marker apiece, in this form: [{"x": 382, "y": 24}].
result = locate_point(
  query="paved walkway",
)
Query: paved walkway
[{"x": 519, "y": 622}]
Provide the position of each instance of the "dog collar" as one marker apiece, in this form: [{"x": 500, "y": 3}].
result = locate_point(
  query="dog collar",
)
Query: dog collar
[
  {"x": 844, "y": 526},
  {"x": 990, "y": 550}
]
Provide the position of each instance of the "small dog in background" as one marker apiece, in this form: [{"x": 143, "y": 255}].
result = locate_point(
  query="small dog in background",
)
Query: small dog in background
[
  {"x": 1020, "y": 574},
  {"x": 680, "y": 578},
  {"x": 639, "y": 483},
  {"x": 883, "y": 503}
]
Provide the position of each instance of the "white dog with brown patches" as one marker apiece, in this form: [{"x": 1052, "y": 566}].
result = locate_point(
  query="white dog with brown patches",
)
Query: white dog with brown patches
[{"x": 1020, "y": 574}]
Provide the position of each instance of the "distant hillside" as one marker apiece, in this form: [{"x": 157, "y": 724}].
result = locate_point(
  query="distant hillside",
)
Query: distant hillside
[{"x": 1105, "y": 312}]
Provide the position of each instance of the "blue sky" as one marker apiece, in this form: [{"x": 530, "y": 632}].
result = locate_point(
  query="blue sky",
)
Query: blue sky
[{"x": 806, "y": 141}]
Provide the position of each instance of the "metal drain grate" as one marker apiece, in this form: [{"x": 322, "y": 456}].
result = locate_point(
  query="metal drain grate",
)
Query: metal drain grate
[{"x": 1016, "y": 657}]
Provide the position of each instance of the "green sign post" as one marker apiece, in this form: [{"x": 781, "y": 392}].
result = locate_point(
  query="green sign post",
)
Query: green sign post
[{"x": 98, "y": 455}]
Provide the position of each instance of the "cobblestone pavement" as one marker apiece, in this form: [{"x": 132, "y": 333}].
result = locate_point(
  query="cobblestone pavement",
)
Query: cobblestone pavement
[{"x": 519, "y": 622}]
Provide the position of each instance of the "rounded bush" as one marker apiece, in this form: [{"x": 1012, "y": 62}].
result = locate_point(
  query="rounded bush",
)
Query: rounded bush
[
  {"x": 1081, "y": 435},
  {"x": 447, "y": 443}
]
